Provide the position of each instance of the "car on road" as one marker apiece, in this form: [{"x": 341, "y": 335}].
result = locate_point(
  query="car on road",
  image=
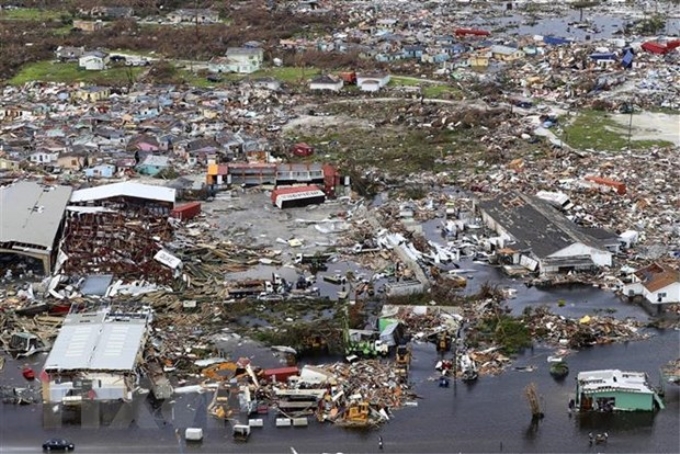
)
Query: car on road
[{"x": 58, "y": 444}]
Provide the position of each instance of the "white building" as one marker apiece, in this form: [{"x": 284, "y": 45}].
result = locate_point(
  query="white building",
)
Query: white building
[
  {"x": 42, "y": 157},
  {"x": 95, "y": 356},
  {"x": 93, "y": 61},
  {"x": 328, "y": 83},
  {"x": 658, "y": 284},
  {"x": 372, "y": 81},
  {"x": 244, "y": 60}
]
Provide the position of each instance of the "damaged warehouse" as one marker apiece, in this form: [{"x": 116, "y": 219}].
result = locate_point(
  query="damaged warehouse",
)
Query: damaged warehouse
[
  {"x": 32, "y": 219},
  {"x": 95, "y": 359},
  {"x": 542, "y": 239},
  {"x": 117, "y": 229}
]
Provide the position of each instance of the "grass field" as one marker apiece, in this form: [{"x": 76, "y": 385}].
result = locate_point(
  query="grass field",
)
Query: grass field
[
  {"x": 50, "y": 71},
  {"x": 30, "y": 14}
]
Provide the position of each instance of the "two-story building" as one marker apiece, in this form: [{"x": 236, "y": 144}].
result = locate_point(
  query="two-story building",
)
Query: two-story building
[
  {"x": 198, "y": 16},
  {"x": 244, "y": 59},
  {"x": 93, "y": 61}
]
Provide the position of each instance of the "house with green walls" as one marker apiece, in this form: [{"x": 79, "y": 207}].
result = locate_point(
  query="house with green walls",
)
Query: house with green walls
[{"x": 614, "y": 390}]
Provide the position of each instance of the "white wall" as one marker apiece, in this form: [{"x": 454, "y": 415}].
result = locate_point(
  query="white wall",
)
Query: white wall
[
  {"x": 322, "y": 86},
  {"x": 491, "y": 223},
  {"x": 599, "y": 257},
  {"x": 107, "y": 387},
  {"x": 672, "y": 294}
]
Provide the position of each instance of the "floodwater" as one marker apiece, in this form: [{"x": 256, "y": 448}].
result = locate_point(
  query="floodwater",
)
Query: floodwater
[
  {"x": 605, "y": 25},
  {"x": 489, "y": 416}
]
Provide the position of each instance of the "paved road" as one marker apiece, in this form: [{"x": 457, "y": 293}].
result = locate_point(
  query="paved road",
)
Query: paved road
[{"x": 478, "y": 104}]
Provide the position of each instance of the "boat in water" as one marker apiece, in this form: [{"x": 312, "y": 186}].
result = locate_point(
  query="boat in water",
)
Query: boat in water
[{"x": 559, "y": 369}]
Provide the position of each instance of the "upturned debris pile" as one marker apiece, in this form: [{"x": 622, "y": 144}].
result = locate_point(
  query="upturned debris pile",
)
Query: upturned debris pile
[{"x": 584, "y": 332}]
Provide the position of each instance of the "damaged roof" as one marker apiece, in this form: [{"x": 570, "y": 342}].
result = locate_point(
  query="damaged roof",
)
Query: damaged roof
[
  {"x": 657, "y": 276},
  {"x": 124, "y": 189},
  {"x": 97, "y": 341},
  {"x": 31, "y": 213},
  {"x": 536, "y": 224}
]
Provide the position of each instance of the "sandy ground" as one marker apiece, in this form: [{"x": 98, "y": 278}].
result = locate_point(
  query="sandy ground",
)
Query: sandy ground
[
  {"x": 307, "y": 123},
  {"x": 652, "y": 126}
]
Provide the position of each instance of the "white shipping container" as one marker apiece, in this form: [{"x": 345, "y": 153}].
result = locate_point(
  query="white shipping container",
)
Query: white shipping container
[{"x": 193, "y": 434}]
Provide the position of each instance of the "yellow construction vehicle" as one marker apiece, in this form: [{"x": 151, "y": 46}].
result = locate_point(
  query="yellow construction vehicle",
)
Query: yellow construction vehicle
[
  {"x": 217, "y": 371},
  {"x": 403, "y": 355},
  {"x": 357, "y": 414},
  {"x": 443, "y": 342},
  {"x": 403, "y": 361},
  {"x": 226, "y": 370}
]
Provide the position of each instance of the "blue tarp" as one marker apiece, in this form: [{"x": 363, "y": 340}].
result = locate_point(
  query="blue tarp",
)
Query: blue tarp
[
  {"x": 628, "y": 58},
  {"x": 603, "y": 56},
  {"x": 554, "y": 40}
]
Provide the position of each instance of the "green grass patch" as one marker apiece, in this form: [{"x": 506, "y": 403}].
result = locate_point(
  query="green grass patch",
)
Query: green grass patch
[
  {"x": 404, "y": 81},
  {"x": 598, "y": 131},
  {"x": 63, "y": 30},
  {"x": 31, "y": 14},
  {"x": 287, "y": 74},
  {"x": 137, "y": 53},
  {"x": 50, "y": 71},
  {"x": 200, "y": 79},
  {"x": 441, "y": 91},
  {"x": 402, "y": 152}
]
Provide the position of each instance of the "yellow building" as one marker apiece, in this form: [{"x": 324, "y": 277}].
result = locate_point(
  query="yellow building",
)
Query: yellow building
[
  {"x": 479, "y": 60},
  {"x": 8, "y": 164},
  {"x": 506, "y": 53},
  {"x": 92, "y": 94}
]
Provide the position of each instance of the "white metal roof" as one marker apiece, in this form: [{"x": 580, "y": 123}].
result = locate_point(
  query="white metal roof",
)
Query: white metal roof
[
  {"x": 124, "y": 189},
  {"x": 92, "y": 342},
  {"x": 596, "y": 380},
  {"x": 31, "y": 213}
]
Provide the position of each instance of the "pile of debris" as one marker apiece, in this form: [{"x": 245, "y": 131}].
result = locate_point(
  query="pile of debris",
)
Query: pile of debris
[
  {"x": 584, "y": 332},
  {"x": 671, "y": 372},
  {"x": 489, "y": 361},
  {"x": 358, "y": 394}
]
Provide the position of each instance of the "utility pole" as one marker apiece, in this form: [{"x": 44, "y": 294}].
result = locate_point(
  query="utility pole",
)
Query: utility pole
[
  {"x": 455, "y": 361},
  {"x": 630, "y": 124},
  {"x": 178, "y": 434}
]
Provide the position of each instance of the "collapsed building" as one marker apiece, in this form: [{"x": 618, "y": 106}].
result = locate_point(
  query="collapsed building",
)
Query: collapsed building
[
  {"x": 533, "y": 234},
  {"x": 118, "y": 229}
]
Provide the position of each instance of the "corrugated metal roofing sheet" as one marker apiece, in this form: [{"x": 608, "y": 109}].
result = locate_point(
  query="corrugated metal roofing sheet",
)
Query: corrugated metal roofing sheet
[
  {"x": 31, "y": 213},
  {"x": 124, "y": 189},
  {"x": 89, "y": 342}
]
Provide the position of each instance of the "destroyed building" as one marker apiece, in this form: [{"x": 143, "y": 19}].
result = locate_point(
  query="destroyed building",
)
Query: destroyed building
[
  {"x": 537, "y": 236},
  {"x": 96, "y": 355},
  {"x": 31, "y": 220},
  {"x": 118, "y": 229}
]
